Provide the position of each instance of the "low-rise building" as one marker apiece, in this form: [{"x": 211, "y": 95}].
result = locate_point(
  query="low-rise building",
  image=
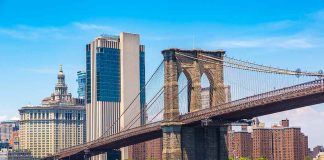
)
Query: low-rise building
[
  {"x": 320, "y": 156},
  {"x": 9, "y": 154},
  {"x": 316, "y": 150},
  {"x": 7, "y": 128}
]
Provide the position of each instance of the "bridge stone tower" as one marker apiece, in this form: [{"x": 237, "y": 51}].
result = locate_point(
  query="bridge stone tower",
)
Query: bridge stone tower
[{"x": 194, "y": 142}]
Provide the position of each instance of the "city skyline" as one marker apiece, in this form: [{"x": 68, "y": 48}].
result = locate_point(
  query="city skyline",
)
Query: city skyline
[{"x": 281, "y": 34}]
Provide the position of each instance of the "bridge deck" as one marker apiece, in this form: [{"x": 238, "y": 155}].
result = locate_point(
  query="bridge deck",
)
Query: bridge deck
[{"x": 270, "y": 102}]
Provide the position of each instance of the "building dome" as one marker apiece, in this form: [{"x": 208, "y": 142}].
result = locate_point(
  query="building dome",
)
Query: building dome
[
  {"x": 60, "y": 94},
  {"x": 60, "y": 74}
]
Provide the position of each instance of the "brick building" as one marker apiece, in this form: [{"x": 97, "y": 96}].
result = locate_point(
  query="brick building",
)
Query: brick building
[
  {"x": 154, "y": 149},
  {"x": 262, "y": 143},
  {"x": 239, "y": 144},
  {"x": 280, "y": 142}
]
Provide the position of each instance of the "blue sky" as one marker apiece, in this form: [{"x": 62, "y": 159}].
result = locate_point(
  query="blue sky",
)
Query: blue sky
[{"x": 36, "y": 36}]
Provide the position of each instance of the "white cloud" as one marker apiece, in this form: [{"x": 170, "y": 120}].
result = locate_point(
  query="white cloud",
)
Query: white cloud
[
  {"x": 273, "y": 42},
  {"x": 26, "y": 32},
  {"x": 15, "y": 118},
  {"x": 318, "y": 16},
  {"x": 310, "y": 121},
  {"x": 4, "y": 118},
  {"x": 90, "y": 26},
  {"x": 41, "y": 70},
  {"x": 18, "y": 34},
  {"x": 276, "y": 25}
]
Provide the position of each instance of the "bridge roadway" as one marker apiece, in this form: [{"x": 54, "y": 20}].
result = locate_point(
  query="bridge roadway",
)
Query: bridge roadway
[{"x": 301, "y": 95}]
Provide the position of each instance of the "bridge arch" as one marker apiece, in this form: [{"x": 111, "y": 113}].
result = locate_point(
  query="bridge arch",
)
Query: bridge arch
[
  {"x": 191, "y": 64},
  {"x": 184, "y": 86},
  {"x": 205, "y": 91}
]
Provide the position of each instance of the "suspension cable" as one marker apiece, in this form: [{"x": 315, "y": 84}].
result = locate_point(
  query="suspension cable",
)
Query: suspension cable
[
  {"x": 143, "y": 89},
  {"x": 245, "y": 67}
]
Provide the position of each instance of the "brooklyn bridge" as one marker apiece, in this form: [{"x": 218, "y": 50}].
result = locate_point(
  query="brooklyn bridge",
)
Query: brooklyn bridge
[{"x": 238, "y": 90}]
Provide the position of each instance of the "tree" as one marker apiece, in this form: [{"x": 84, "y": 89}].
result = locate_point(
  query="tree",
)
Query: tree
[{"x": 244, "y": 158}]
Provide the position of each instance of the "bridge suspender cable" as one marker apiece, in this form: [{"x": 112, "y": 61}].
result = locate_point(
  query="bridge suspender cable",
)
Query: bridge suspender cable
[
  {"x": 137, "y": 117},
  {"x": 142, "y": 89}
]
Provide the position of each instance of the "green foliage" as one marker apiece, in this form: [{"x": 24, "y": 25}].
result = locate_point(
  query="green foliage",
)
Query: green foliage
[
  {"x": 262, "y": 158},
  {"x": 308, "y": 158},
  {"x": 244, "y": 158},
  {"x": 241, "y": 158}
]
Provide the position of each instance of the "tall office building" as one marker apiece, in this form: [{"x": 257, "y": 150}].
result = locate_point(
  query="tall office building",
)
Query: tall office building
[
  {"x": 57, "y": 124},
  {"x": 115, "y": 73},
  {"x": 82, "y": 75}
]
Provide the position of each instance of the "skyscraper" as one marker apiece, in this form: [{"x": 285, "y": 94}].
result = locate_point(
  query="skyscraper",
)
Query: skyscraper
[
  {"x": 57, "y": 124},
  {"x": 82, "y": 75},
  {"x": 115, "y": 73}
]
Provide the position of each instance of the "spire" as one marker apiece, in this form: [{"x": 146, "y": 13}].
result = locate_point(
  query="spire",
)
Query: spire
[
  {"x": 60, "y": 77},
  {"x": 61, "y": 68},
  {"x": 60, "y": 91}
]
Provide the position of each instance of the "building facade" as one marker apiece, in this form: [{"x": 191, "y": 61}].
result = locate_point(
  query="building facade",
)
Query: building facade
[
  {"x": 82, "y": 76},
  {"x": 262, "y": 143},
  {"x": 316, "y": 150},
  {"x": 280, "y": 142},
  {"x": 115, "y": 69},
  {"x": 14, "y": 140},
  {"x": 153, "y": 149},
  {"x": 57, "y": 124},
  {"x": 205, "y": 96},
  {"x": 9, "y": 154},
  {"x": 7, "y": 128},
  {"x": 239, "y": 144},
  {"x": 319, "y": 156}
]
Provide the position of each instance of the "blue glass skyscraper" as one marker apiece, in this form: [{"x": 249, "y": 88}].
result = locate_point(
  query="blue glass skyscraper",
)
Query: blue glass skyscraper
[
  {"x": 115, "y": 74},
  {"x": 82, "y": 75}
]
